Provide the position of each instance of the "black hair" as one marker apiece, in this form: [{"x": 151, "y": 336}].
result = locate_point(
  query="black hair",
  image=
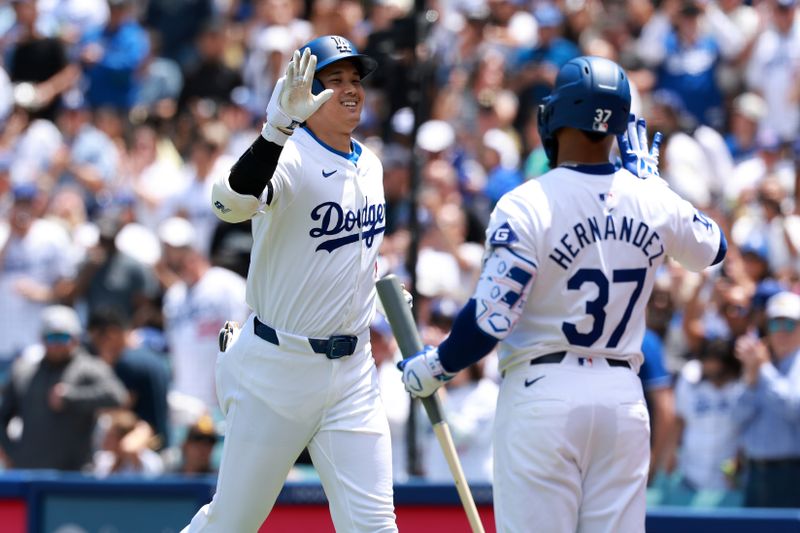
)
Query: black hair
[{"x": 105, "y": 318}]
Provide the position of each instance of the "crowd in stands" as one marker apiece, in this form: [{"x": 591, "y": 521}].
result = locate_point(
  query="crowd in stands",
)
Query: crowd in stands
[{"x": 115, "y": 275}]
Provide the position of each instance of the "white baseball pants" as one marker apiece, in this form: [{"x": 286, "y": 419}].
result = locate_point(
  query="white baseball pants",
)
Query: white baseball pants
[
  {"x": 279, "y": 399},
  {"x": 571, "y": 449}
]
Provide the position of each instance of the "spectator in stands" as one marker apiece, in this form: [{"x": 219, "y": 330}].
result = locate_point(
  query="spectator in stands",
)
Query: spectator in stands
[
  {"x": 35, "y": 255},
  {"x": 395, "y": 399},
  {"x": 767, "y": 411},
  {"x": 144, "y": 373},
  {"x": 197, "y": 448},
  {"x": 767, "y": 162},
  {"x": 469, "y": 402},
  {"x": 161, "y": 82},
  {"x": 209, "y": 78},
  {"x": 657, "y": 385},
  {"x": 126, "y": 447},
  {"x": 88, "y": 157},
  {"x": 746, "y": 115},
  {"x": 729, "y": 317},
  {"x": 111, "y": 57},
  {"x": 774, "y": 67},
  {"x": 685, "y": 165},
  {"x": 178, "y": 24},
  {"x": 207, "y": 161},
  {"x": 57, "y": 395},
  {"x": 110, "y": 278},
  {"x": 153, "y": 174},
  {"x": 686, "y": 55},
  {"x": 706, "y": 434},
  {"x": 196, "y": 305},
  {"x": 396, "y": 185},
  {"x": 500, "y": 159},
  {"x": 39, "y": 62},
  {"x": 536, "y": 67}
]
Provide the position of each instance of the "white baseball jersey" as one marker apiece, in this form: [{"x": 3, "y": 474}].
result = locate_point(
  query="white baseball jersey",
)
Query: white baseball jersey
[
  {"x": 710, "y": 434},
  {"x": 43, "y": 257},
  {"x": 312, "y": 268},
  {"x": 194, "y": 316},
  {"x": 593, "y": 243}
]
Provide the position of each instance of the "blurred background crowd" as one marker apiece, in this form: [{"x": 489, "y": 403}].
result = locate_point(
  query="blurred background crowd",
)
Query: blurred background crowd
[{"x": 115, "y": 276}]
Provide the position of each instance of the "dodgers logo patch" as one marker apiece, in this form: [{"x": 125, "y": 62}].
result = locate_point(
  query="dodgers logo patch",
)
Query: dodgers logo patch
[{"x": 503, "y": 236}]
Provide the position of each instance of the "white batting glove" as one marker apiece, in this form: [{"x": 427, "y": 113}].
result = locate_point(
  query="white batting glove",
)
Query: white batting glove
[
  {"x": 636, "y": 158},
  {"x": 292, "y": 102},
  {"x": 423, "y": 372}
]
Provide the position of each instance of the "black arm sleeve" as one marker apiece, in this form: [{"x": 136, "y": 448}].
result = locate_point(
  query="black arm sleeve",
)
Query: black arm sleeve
[{"x": 252, "y": 172}]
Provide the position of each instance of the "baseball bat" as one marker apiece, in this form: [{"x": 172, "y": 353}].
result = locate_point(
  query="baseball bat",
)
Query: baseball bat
[{"x": 405, "y": 332}]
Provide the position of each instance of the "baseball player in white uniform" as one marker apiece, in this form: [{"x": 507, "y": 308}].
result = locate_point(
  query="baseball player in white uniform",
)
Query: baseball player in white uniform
[
  {"x": 299, "y": 373},
  {"x": 569, "y": 266}
]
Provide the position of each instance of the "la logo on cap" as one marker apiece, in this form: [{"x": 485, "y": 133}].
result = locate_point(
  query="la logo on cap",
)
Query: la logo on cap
[{"x": 342, "y": 44}]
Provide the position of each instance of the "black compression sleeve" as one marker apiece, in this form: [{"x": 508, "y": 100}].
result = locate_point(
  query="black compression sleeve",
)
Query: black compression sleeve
[{"x": 254, "y": 169}]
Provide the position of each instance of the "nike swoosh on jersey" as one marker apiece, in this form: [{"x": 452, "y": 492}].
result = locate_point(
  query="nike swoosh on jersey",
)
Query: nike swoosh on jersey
[
  {"x": 529, "y": 382},
  {"x": 328, "y": 174}
]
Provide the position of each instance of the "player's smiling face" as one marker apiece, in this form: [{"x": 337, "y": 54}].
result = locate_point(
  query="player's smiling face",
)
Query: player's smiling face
[{"x": 342, "y": 113}]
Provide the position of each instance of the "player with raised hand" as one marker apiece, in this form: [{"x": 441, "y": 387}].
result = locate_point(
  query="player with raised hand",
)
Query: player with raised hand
[
  {"x": 569, "y": 265},
  {"x": 299, "y": 372}
]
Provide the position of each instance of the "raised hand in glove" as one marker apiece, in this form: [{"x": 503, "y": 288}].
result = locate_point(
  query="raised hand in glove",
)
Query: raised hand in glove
[
  {"x": 423, "y": 372},
  {"x": 636, "y": 158},
  {"x": 292, "y": 101}
]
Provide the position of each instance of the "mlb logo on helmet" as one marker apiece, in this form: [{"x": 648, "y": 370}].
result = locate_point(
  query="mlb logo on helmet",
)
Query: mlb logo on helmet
[{"x": 341, "y": 44}]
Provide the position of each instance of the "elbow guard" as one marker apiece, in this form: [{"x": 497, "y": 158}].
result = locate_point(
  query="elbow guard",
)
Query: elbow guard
[
  {"x": 229, "y": 205},
  {"x": 502, "y": 290}
]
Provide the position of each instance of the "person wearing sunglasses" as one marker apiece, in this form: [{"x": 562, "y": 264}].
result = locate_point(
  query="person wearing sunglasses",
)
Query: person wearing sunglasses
[
  {"x": 57, "y": 389},
  {"x": 768, "y": 411}
]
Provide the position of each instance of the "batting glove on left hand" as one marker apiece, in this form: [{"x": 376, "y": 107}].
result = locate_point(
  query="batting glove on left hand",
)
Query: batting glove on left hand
[
  {"x": 292, "y": 101},
  {"x": 423, "y": 372},
  {"x": 636, "y": 158}
]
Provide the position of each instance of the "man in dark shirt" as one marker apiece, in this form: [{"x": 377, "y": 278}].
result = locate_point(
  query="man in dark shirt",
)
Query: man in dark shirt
[
  {"x": 209, "y": 77},
  {"x": 143, "y": 372},
  {"x": 109, "y": 277},
  {"x": 40, "y": 61},
  {"x": 57, "y": 391}
]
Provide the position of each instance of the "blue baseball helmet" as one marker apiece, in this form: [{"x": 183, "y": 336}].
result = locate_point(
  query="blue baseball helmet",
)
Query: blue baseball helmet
[
  {"x": 332, "y": 48},
  {"x": 591, "y": 94}
]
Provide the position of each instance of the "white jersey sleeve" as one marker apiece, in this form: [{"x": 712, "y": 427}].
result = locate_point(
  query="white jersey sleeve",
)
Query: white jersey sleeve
[{"x": 695, "y": 239}]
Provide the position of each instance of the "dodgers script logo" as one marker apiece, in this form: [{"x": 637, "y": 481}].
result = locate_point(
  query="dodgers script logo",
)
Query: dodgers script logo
[{"x": 334, "y": 220}]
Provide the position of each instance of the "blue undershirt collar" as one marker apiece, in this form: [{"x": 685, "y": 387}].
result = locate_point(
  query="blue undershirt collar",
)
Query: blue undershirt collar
[
  {"x": 596, "y": 168},
  {"x": 353, "y": 155}
]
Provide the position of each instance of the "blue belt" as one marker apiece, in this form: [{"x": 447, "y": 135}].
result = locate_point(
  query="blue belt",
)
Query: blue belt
[
  {"x": 557, "y": 357},
  {"x": 333, "y": 347}
]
